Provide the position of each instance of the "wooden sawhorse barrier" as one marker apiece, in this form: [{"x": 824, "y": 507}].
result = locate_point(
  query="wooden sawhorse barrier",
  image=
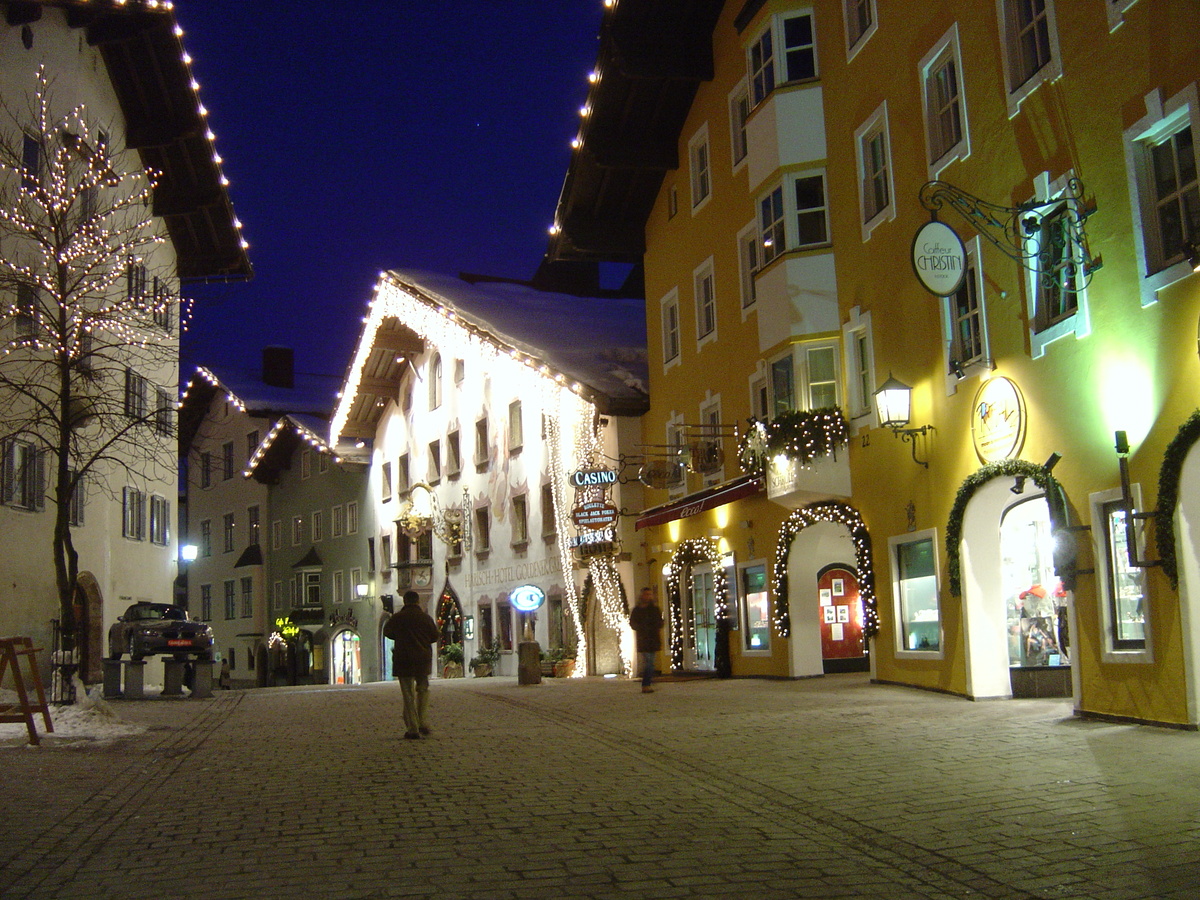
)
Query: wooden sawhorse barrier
[{"x": 11, "y": 652}]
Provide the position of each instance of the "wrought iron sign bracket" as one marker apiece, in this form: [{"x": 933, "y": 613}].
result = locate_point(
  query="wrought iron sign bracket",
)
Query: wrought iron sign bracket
[{"x": 1045, "y": 237}]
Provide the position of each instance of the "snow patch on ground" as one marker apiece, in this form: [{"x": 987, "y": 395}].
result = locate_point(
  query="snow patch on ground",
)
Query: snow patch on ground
[{"x": 90, "y": 721}]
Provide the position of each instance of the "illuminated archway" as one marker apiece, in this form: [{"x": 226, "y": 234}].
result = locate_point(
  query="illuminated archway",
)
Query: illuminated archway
[
  {"x": 838, "y": 514},
  {"x": 691, "y": 553}
]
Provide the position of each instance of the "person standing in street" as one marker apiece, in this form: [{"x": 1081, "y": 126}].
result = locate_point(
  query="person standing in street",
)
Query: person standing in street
[
  {"x": 412, "y": 632},
  {"x": 646, "y": 622}
]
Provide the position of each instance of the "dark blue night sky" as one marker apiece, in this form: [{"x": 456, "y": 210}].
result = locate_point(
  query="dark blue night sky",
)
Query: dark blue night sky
[{"x": 361, "y": 136}]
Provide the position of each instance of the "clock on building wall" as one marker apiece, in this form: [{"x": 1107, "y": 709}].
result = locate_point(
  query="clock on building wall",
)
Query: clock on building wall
[{"x": 998, "y": 420}]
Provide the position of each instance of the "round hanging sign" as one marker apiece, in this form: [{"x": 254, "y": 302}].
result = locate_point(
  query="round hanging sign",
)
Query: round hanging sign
[
  {"x": 939, "y": 258},
  {"x": 527, "y": 597},
  {"x": 998, "y": 420}
]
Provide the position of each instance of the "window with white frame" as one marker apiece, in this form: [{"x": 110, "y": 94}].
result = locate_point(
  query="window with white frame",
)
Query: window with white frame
[
  {"x": 1029, "y": 33},
  {"x": 676, "y": 442},
  {"x": 784, "y": 52},
  {"x": 710, "y": 463},
  {"x": 227, "y": 466},
  {"x": 706, "y": 303},
  {"x": 337, "y": 520},
  {"x": 305, "y": 464},
  {"x": 783, "y": 384},
  {"x": 944, "y": 106},
  {"x": 793, "y": 215},
  {"x": 453, "y": 453},
  {"x": 206, "y": 602},
  {"x": 356, "y": 579},
  {"x": 772, "y": 225},
  {"x": 137, "y": 391},
  {"x": 670, "y": 328},
  {"x": 821, "y": 376},
  {"x": 205, "y": 549},
  {"x": 160, "y": 515},
  {"x": 860, "y": 24},
  {"x": 277, "y": 535},
  {"x": 339, "y": 587},
  {"x": 1125, "y": 583},
  {"x": 760, "y": 395},
  {"x": 318, "y": 525},
  {"x": 860, "y": 366},
  {"x": 1161, "y": 159},
  {"x": 78, "y": 498},
  {"x": 24, "y": 479},
  {"x": 701, "y": 168},
  {"x": 460, "y": 372},
  {"x": 297, "y": 530},
  {"x": 1057, "y": 301},
  {"x": 403, "y": 474},
  {"x": 277, "y": 596},
  {"x": 435, "y": 381},
  {"x": 227, "y": 525},
  {"x": 230, "y": 599},
  {"x": 133, "y": 514},
  {"x": 872, "y": 147},
  {"x": 966, "y": 322},
  {"x": 352, "y": 517},
  {"x": 247, "y": 597},
  {"x": 739, "y": 111},
  {"x": 516, "y": 431},
  {"x": 812, "y": 222},
  {"x": 322, "y": 463},
  {"x": 748, "y": 262},
  {"x": 312, "y": 588},
  {"x": 915, "y": 593},
  {"x": 206, "y": 470}
]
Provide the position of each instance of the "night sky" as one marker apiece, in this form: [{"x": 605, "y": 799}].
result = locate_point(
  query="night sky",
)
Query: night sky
[{"x": 362, "y": 136}]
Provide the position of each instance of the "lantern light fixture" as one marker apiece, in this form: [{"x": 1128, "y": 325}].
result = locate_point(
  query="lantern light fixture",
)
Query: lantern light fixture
[{"x": 893, "y": 403}]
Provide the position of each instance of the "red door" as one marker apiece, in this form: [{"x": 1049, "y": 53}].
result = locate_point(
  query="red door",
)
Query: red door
[{"x": 839, "y": 612}]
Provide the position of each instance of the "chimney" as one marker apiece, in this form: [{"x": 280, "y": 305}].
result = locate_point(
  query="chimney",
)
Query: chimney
[{"x": 279, "y": 367}]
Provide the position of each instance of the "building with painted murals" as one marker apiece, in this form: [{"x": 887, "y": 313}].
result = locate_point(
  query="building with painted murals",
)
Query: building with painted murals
[
  {"x": 1023, "y": 527},
  {"x": 478, "y": 403}
]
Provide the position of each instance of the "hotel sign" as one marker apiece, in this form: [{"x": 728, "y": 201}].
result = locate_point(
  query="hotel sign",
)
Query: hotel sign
[{"x": 939, "y": 258}]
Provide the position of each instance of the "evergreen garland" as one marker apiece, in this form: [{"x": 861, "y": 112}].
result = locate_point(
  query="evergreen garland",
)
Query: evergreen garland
[
  {"x": 802, "y": 435},
  {"x": 689, "y": 554},
  {"x": 1064, "y": 551},
  {"x": 1168, "y": 494}
]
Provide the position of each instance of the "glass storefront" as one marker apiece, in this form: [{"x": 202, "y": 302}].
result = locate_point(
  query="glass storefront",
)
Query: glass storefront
[
  {"x": 700, "y": 620},
  {"x": 1125, "y": 584},
  {"x": 346, "y": 650},
  {"x": 920, "y": 620},
  {"x": 756, "y": 628},
  {"x": 1033, "y": 594}
]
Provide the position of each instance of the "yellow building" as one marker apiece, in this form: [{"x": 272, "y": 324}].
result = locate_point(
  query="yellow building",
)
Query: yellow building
[{"x": 770, "y": 164}]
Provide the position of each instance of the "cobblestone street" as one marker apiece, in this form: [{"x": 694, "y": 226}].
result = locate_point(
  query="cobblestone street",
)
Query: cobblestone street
[{"x": 585, "y": 788}]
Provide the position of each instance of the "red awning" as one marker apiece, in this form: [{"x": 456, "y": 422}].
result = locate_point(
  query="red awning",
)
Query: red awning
[{"x": 746, "y": 486}]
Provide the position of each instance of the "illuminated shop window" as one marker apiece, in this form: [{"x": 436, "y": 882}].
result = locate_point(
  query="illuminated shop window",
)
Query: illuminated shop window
[
  {"x": 1126, "y": 584},
  {"x": 915, "y": 587},
  {"x": 756, "y": 613}
]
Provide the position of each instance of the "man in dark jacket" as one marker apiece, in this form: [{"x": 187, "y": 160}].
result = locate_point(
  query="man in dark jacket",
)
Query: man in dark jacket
[
  {"x": 413, "y": 631},
  {"x": 646, "y": 622}
]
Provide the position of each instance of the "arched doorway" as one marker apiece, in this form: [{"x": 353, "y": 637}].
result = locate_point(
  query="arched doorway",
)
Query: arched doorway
[
  {"x": 1016, "y": 609},
  {"x": 697, "y": 597},
  {"x": 345, "y": 650},
  {"x": 840, "y": 618},
  {"x": 90, "y": 601}
]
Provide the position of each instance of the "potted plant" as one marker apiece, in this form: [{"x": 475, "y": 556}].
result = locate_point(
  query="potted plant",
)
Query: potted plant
[
  {"x": 561, "y": 661},
  {"x": 484, "y": 662},
  {"x": 451, "y": 658}
]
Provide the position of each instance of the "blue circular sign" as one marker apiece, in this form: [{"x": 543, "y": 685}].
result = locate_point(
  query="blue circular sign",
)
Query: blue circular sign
[{"x": 527, "y": 597}]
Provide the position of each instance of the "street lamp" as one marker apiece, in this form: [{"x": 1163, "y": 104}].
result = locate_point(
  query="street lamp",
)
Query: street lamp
[{"x": 893, "y": 403}]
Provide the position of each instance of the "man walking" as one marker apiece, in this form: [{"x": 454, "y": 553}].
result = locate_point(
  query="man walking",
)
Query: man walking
[
  {"x": 646, "y": 622},
  {"x": 413, "y": 631}
]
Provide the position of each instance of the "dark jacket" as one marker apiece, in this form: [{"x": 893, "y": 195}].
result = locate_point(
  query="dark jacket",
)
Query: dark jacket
[
  {"x": 647, "y": 622},
  {"x": 412, "y": 631}
]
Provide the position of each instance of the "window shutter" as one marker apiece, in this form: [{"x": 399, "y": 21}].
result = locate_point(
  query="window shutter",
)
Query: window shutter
[
  {"x": 37, "y": 458},
  {"x": 9, "y": 479}
]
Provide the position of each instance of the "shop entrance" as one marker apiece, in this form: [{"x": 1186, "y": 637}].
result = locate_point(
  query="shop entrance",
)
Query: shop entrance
[
  {"x": 700, "y": 621},
  {"x": 346, "y": 651},
  {"x": 840, "y": 617},
  {"x": 1035, "y": 602}
]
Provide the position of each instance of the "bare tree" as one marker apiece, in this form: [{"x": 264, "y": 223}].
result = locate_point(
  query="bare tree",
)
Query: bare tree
[{"x": 87, "y": 324}]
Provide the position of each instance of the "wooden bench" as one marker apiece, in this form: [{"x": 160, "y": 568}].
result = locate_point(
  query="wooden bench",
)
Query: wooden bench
[{"x": 12, "y": 650}]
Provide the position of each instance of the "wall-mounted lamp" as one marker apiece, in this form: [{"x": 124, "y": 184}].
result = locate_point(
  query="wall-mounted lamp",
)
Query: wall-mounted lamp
[
  {"x": 1048, "y": 465},
  {"x": 956, "y": 369},
  {"x": 189, "y": 552},
  {"x": 893, "y": 403},
  {"x": 1132, "y": 516},
  {"x": 1192, "y": 252},
  {"x": 360, "y": 590}
]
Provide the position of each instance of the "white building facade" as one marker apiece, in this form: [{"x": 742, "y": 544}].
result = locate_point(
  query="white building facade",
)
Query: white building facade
[{"x": 475, "y": 434}]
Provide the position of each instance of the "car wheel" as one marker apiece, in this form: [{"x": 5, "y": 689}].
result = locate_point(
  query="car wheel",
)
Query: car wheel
[{"x": 135, "y": 651}]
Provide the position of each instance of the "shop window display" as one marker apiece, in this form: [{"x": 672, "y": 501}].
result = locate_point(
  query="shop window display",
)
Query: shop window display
[
  {"x": 1033, "y": 594},
  {"x": 920, "y": 620}
]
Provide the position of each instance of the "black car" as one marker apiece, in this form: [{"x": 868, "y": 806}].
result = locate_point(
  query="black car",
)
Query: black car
[{"x": 150, "y": 628}]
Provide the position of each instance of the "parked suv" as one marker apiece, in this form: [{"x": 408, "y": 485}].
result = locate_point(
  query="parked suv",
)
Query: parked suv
[{"x": 149, "y": 628}]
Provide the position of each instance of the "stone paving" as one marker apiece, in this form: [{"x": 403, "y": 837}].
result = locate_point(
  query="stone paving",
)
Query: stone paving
[{"x": 587, "y": 788}]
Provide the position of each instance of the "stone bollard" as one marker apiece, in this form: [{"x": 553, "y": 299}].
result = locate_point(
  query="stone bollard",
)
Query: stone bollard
[
  {"x": 529, "y": 664},
  {"x": 112, "y": 679},
  {"x": 135, "y": 679},
  {"x": 173, "y": 677},
  {"x": 202, "y": 681}
]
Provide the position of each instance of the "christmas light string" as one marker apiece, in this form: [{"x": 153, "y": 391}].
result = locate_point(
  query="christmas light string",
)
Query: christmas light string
[{"x": 687, "y": 556}]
